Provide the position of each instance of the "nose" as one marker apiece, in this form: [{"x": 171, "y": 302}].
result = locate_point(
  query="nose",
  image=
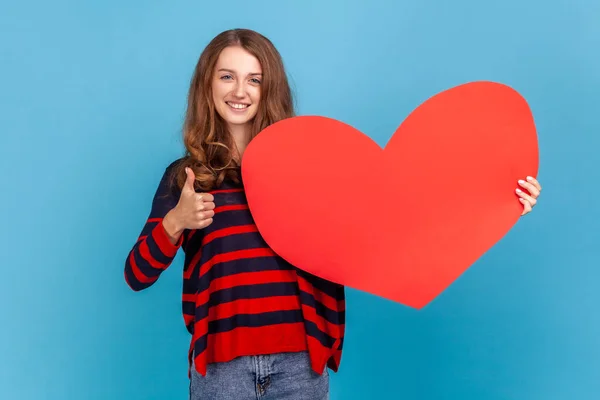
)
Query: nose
[{"x": 240, "y": 89}]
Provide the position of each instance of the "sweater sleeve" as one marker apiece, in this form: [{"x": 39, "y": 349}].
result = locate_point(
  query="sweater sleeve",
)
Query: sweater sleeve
[{"x": 153, "y": 252}]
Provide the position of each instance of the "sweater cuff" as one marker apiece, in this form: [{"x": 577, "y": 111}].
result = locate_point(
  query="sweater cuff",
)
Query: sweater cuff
[{"x": 161, "y": 237}]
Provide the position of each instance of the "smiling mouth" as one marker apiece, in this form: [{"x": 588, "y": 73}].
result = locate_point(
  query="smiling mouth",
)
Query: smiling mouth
[{"x": 237, "y": 106}]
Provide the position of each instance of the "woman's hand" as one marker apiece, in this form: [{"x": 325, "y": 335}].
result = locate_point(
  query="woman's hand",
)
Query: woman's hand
[
  {"x": 528, "y": 193},
  {"x": 193, "y": 211}
]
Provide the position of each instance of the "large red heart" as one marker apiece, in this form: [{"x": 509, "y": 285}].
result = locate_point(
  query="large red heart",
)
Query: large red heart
[{"x": 402, "y": 222}]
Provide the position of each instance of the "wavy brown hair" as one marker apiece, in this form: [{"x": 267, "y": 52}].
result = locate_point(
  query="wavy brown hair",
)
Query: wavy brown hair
[{"x": 206, "y": 138}]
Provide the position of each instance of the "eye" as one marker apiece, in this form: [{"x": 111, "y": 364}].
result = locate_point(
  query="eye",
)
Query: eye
[
  {"x": 226, "y": 77},
  {"x": 256, "y": 80}
]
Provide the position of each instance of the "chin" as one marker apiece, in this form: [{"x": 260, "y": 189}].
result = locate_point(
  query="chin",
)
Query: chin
[{"x": 239, "y": 119}]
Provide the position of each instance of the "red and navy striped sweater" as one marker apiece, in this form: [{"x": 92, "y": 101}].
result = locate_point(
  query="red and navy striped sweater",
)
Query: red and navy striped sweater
[{"x": 239, "y": 298}]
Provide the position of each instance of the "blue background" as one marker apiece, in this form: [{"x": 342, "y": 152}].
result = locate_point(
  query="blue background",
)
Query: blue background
[{"x": 92, "y": 100}]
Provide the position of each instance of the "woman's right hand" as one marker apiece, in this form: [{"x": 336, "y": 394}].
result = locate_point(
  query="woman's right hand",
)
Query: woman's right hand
[{"x": 193, "y": 211}]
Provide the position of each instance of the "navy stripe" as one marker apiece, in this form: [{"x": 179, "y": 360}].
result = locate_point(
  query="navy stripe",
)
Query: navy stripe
[
  {"x": 195, "y": 243},
  {"x": 256, "y": 291},
  {"x": 188, "y": 307},
  {"x": 226, "y": 219},
  {"x": 148, "y": 228},
  {"x": 238, "y": 241},
  {"x": 144, "y": 266},
  {"x": 332, "y": 289},
  {"x": 190, "y": 285},
  {"x": 201, "y": 344},
  {"x": 254, "y": 320},
  {"x": 313, "y": 330},
  {"x": 236, "y": 198},
  {"x": 323, "y": 311},
  {"x": 227, "y": 268},
  {"x": 155, "y": 251},
  {"x": 247, "y": 321},
  {"x": 133, "y": 281}
]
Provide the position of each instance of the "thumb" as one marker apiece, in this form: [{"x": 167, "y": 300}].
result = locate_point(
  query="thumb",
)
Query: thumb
[{"x": 190, "y": 179}]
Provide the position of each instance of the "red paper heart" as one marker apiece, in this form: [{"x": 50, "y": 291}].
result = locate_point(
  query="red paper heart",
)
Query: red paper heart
[{"x": 405, "y": 222}]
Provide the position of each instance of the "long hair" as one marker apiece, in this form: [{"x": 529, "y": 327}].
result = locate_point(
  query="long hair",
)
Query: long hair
[{"x": 207, "y": 141}]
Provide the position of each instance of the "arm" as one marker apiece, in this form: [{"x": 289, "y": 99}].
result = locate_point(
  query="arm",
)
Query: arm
[{"x": 158, "y": 242}]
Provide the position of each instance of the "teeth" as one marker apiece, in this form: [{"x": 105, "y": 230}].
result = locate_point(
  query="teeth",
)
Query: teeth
[{"x": 238, "y": 106}]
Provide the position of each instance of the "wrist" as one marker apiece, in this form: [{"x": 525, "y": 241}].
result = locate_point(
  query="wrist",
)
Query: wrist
[{"x": 172, "y": 225}]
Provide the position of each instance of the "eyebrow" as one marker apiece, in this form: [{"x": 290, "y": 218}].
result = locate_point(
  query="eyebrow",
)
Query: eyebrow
[{"x": 233, "y": 72}]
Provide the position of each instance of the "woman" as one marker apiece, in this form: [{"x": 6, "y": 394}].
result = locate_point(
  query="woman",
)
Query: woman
[{"x": 259, "y": 326}]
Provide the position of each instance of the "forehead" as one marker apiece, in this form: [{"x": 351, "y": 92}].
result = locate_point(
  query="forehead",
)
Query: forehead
[{"x": 239, "y": 60}]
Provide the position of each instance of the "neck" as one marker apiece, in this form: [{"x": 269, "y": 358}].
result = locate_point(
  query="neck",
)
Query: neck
[{"x": 241, "y": 137}]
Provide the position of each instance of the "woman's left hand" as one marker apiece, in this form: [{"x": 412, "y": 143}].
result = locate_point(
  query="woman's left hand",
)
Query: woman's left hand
[{"x": 528, "y": 193}]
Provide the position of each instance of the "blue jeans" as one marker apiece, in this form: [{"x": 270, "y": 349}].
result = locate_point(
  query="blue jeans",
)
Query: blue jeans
[{"x": 283, "y": 376}]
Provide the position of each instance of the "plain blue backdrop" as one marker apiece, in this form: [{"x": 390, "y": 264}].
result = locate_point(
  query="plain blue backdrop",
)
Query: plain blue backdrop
[{"x": 91, "y": 106}]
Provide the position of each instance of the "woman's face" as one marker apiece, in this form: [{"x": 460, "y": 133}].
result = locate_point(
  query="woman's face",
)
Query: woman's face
[{"x": 236, "y": 85}]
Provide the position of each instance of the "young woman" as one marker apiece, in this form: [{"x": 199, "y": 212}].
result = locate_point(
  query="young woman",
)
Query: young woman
[{"x": 259, "y": 326}]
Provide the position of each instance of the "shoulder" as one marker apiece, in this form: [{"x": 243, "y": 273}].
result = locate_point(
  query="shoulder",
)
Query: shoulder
[
  {"x": 168, "y": 182},
  {"x": 174, "y": 165},
  {"x": 174, "y": 168}
]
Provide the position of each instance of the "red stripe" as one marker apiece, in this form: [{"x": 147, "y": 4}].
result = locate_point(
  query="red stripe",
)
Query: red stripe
[
  {"x": 235, "y": 207},
  {"x": 191, "y": 234},
  {"x": 189, "y": 297},
  {"x": 322, "y": 356},
  {"x": 139, "y": 275},
  {"x": 234, "y": 230},
  {"x": 226, "y": 191},
  {"x": 328, "y": 301},
  {"x": 235, "y": 255},
  {"x": 245, "y": 306},
  {"x": 226, "y": 346},
  {"x": 188, "y": 319},
  {"x": 187, "y": 274},
  {"x": 162, "y": 240},
  {"x": 254, "y": 306},
  {"x": 244, "y": 278},
  {"x": 145, "y": 253},
  {"x": 199, "y": 361},
  {"x": 249, "y": 278},
  {"x": 333, "y": 330},
  {"x": 152, "y": 220}
]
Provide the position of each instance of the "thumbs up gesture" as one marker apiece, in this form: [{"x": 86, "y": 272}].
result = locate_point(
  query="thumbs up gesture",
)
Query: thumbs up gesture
[{"x": 193, "y": 211}]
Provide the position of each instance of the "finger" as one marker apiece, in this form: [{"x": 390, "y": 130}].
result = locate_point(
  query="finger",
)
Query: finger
[
  {"x": 208, "y": 205},
  {"x": 206, "y": 197},
  {"x": 535, "y": 182},
  {"x": 190, "y": 179},
  {"x": 204, "y": 223},
  {"x": 526, "y": 206},
  {"x": 533, "y": 190},
  {"x": 527, "y": 197},
  {"x": 207, "y": 214},
  {"x": 202, "y": 215}
]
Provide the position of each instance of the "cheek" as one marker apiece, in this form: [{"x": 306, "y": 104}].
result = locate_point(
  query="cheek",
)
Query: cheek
[
  {"x": 217, "y": 98},
  {"x": 255, "y": 95},
  {"x": 217, "y": 91}
]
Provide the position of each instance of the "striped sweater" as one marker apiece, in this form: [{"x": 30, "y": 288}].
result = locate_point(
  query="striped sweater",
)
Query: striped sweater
[{"x": 239, "y": 298}]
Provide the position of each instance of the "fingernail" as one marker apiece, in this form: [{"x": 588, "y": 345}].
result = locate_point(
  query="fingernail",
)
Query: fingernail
[
  {"x": 521, "y": 181},
  {"x": 529, "y": 178},
  {"x": 518, "y": 190}
]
